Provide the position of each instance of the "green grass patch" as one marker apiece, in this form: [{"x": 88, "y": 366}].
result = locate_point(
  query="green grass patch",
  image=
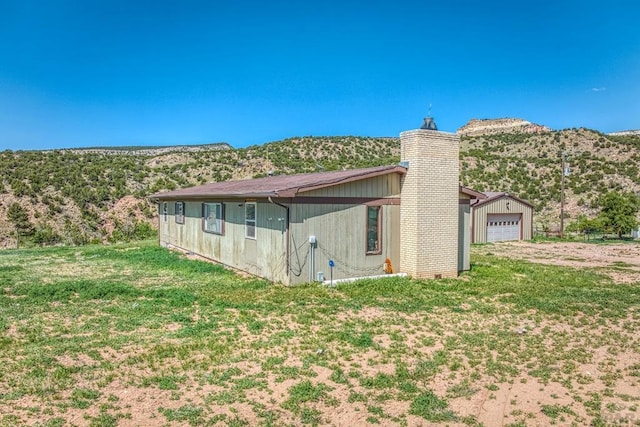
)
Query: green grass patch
[
  {"x": 304, "y": 392},
  {"x": 193, "y": 415},
  {"x": 430, "y": 407},
  {"x": 75, "y": 321},
  {"x": 555, "y": 411}
]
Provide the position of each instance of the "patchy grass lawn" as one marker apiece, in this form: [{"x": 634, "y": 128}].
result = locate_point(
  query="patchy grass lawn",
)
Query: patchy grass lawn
[{"x": 135, "y": 335}]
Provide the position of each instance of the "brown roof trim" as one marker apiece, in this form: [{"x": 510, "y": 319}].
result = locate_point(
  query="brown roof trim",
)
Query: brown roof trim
[
  {"x": 184, "y": 195},
  {"x": 210, "y": 198},
  {"x": 472, "y": 193},
  {"x": 277, "y": 186},
  {"x": 369, "y": 201},
  {"x": 498, "y": 196},
  {"x": 396, "y": 169}
]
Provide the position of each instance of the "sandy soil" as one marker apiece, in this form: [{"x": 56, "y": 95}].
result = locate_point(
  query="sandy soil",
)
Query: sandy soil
[
  {"x": 603, "y": 368},
  {"x": 620, "y": 261}
]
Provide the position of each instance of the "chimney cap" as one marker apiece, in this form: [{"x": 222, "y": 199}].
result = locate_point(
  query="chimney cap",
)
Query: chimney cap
[{"x": 429, "y": 124}]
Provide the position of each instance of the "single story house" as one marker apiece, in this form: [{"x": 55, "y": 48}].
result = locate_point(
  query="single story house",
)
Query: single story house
[
  {"x": 412, "y": 218},
  {"x": 501, "y": 217}
]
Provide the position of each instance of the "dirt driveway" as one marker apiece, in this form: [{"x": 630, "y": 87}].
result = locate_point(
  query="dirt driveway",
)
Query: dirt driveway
[{"x": 620, "y": 261}]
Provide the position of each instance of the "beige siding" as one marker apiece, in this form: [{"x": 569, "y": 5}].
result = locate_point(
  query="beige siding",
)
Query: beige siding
[
  {"x": 464, "y": 237},
  {"x": 164, "y": 222},
  {"x": 499, "y": 206},
  {"x": 340, "y": 231},
  {"x": 271, "y": 242},
  {"x": 379, "y": 186},
  {"x": 263, "y": 256}
]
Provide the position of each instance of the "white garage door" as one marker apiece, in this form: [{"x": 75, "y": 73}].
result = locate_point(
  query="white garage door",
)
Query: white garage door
[{"x": 501, "y": 227}]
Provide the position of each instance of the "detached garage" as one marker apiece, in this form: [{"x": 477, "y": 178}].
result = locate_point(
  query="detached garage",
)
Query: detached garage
[{"x": 501, "y": 217}]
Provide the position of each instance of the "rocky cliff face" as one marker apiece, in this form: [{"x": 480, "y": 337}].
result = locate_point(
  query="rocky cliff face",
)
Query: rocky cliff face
[
  {"x": 152, "y": 151},
  {"x": 479, "y": 127},
  {"x": 625, "y": 133}
]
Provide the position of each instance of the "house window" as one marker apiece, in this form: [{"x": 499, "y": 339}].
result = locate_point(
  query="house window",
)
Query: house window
[
  {"x": 374, "y": 229},
  {"x": 250, "y": 220},
  {"x": 212, "y": 218},
  {"x": 180, "y": 212},
  {"x": 165, "y": 211}
]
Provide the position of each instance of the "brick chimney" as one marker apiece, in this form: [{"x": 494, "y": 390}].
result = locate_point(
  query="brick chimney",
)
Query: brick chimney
[{"x": 429, "y": 203}]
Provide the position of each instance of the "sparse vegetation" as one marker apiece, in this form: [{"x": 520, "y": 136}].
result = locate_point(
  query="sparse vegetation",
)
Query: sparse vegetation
[
  {"x": 528, "y": 165},
  {"x": 132, "y": 334},
  {"x": 74, "y": 196}
]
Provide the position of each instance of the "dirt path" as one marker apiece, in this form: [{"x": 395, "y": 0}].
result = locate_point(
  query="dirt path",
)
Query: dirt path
[{"x": 620, "y": 261}]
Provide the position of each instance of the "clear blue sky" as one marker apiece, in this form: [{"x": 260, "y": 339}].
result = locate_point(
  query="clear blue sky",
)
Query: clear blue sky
[{"x": 77, "y": 73}]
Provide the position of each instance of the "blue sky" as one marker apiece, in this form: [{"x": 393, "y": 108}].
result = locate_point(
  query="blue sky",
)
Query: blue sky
[{"x": 94, "y": 73}]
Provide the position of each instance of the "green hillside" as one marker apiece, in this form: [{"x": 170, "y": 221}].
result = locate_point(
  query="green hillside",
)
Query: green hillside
[
  {"x": 529, "y": 166},
  {"x": 83, "y": 195}
]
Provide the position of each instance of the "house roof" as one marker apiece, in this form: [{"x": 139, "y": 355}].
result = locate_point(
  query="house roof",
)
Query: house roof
[
  {"x": 492, "y": 196},
  {"x": 472, "y": 193},
  {"x": 279, "y": 185}
]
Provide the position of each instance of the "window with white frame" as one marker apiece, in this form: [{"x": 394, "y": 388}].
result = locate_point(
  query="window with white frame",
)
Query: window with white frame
[
  {"x": 213, "y": 218},
  {"x": 180, "y": 212},
  {"x": 165, "y": 211},
  {"x": 250, "y": 220}
]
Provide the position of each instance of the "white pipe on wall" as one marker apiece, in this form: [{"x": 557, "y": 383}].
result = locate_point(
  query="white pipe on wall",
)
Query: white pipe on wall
[{"x": 354, "y": 279}]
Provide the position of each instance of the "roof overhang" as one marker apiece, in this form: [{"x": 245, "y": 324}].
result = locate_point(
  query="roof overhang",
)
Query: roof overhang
[
  {"x": 473, "y": 194},
  {"x": 284, "y": 186},
  {"x": 292, "y": 192},
  {"x": 500, "y": 196}
]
